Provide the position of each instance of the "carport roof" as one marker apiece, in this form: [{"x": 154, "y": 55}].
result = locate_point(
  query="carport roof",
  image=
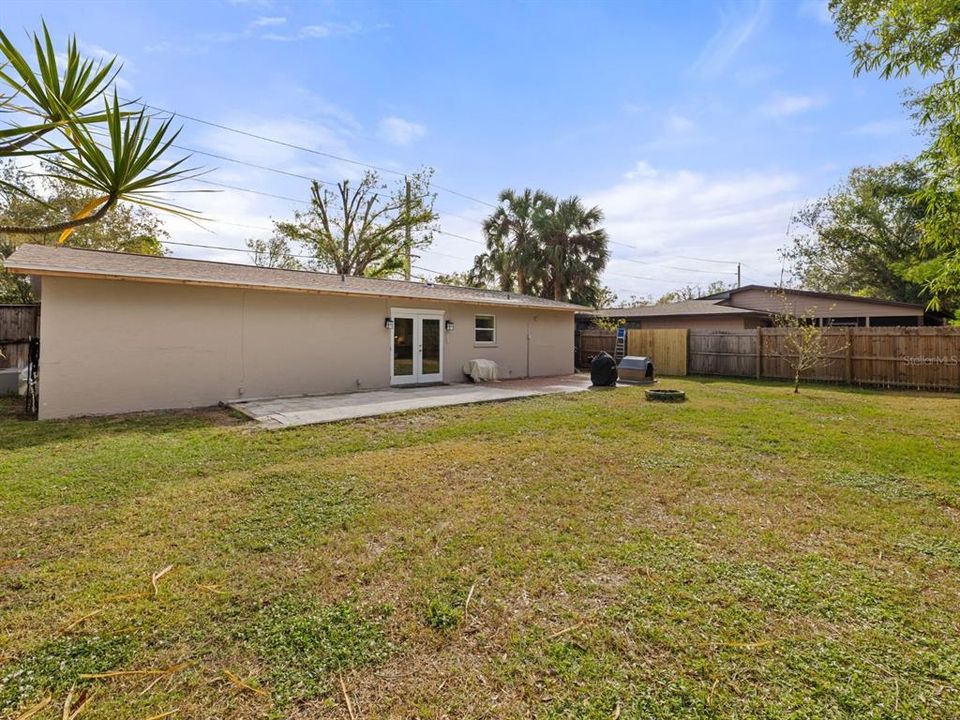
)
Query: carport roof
[{"x": 98, "y": 264}]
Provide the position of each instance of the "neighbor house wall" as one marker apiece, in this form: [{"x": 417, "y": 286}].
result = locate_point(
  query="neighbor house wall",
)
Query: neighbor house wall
[
  {"x": 697, "y": 322},
  {"x": 800, "y": 305},
  {"x": 111, "y": 346}
]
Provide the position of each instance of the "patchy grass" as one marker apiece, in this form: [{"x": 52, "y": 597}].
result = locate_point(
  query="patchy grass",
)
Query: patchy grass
[
  {"x": 303, "y": 647},
  {"x": 749, "y": 554}
]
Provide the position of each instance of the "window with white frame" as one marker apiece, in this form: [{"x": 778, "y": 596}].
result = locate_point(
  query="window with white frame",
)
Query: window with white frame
[{"x": 484, "y": 329}]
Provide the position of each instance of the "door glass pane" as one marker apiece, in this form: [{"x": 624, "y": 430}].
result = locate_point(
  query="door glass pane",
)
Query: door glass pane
[
  {"x": 402, "y": 346},
  {"x": 431, "y": 346}
]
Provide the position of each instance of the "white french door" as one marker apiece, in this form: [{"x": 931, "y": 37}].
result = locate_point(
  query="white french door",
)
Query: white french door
[{"x": 416, "y": 349}]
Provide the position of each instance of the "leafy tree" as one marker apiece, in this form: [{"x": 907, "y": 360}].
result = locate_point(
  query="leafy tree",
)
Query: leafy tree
[
  {"x": 606, "y": 298},
  {"x": 273, "y": 253},
  {"x": 608, "y": 323},
  {"x": 363, "y": 230},
  {"x": 45, "y": 113},
  {"x": 460, "y": 279},
  {"x": 693, "y": 292},
  {"x": 538, "y": 245},
  {"x": 33, "y": 202},
  {"x": 898, "y": 38},
  {"x": 866, "y": 237},
  {"x": 804, "y": 344}
]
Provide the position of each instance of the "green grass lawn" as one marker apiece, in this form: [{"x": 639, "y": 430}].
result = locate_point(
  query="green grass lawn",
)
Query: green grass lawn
[{"x": 749, "y": 554}]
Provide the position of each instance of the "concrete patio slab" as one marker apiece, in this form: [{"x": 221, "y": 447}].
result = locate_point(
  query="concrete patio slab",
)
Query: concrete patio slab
[{"x": 313, "y": 409}]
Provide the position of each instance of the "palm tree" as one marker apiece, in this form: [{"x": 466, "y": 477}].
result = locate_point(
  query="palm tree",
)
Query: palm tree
[
  {"x": 513, "y": 258},
  {"x": 574, "y": 250}
]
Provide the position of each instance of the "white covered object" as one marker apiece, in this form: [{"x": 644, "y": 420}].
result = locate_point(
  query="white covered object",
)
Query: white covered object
[{"x": 480, "y": 370}]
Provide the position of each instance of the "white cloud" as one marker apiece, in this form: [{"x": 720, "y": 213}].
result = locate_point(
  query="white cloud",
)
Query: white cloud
[
  {"x": 678, "y": 124},
  {"x": 881, "y": 128},
  {"x": 669, "y": 216},
  {"x": 104, "y": 55},
  {"x": 735, "y": 30},
  {"x": 329, "y": 30},
  {"x": 783, "y": 105},
  {"x": 818, "y": 10},
  {"x": 642, "y": 169},
  {"x": 398, "y": 131},
  {"x": 261, "y": 28},
  {"x": 124, "y": 65},
  {"x": 268, "y": 22},
  {"x": 311, "y": 32},
  {"x": 678, "y": 131}
]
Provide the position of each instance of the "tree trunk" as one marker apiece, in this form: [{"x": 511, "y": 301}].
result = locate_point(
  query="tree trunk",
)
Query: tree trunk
[
  {"x": 61, "y": 226},
  {"x": 796, "y": 382},
  {"x": 557, "y": 288}
]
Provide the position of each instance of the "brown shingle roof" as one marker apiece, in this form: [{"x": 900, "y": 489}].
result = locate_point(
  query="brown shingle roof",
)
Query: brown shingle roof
[
  {"x": 685, "y": 307},
  {"x": 727, "y": 294},
  {"x": 46, "y": 260}
]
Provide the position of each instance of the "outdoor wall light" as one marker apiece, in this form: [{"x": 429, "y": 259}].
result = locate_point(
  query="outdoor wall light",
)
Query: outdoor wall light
[
  {"x": 388, "y": 323},
  {"x": 449, "y": 325}
]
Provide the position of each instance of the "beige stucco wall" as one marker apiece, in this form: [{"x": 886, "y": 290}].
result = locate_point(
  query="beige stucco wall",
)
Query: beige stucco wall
[
  {"x": 698, "y": 322},
  {"x": 110, "y": 346},
  {"x": 802, "y": 305}
]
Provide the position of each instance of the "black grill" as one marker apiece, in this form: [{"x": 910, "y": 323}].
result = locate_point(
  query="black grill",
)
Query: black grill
[{"x": 603, "y": 370}]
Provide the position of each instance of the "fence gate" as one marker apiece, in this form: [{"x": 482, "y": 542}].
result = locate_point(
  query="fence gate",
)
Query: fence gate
[
  {"x": 593, "y": 341},
  {"x": 18, "y": 323},
  {"x": 667, "y": 349}
]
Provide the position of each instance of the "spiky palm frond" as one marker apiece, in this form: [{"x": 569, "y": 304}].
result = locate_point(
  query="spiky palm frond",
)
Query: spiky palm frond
[
  {"x": 118, "y": 171},
  {"x": 54, "y": 96}
]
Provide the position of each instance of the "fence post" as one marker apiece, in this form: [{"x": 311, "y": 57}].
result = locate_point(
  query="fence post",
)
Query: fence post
[
  {"x": 849, "y": 372},
  {"x": 759, "y": 352}
]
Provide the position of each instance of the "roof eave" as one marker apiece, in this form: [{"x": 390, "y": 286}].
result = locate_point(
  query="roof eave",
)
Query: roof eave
[{"x": 170, "y": 280}]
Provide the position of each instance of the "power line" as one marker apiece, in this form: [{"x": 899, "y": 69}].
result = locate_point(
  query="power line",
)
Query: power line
[
  {"x": 719, "y": 262},
  {"x": 248, "y": 252},
  {"x": 288, "y": 173},
  {"x": 675, "y": 267},
  {"x": 303, "y": 148},
  {"x": 462, "y": 237}
]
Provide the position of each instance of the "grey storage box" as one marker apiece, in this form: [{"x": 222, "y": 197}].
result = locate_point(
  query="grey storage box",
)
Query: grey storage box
[
  {"x": 634, "y": 369},
  {"x": 10, "y": 381}
]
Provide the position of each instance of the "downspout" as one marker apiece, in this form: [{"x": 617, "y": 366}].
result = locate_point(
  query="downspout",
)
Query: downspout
[
  {"x": 528, "y": 347},
  {"x": 243, "y": 346}
]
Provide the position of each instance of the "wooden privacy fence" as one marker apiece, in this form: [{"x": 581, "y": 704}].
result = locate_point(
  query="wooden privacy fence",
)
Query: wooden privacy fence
[
  {"x": 924, "y": 358},
  {"x": 723, "y": 353},
  {"x": 921, "y": 358},
  {"x": 18, "y": 323},
  {"x": 667, "y": 349},
  {"x": 592, "y": 341}
]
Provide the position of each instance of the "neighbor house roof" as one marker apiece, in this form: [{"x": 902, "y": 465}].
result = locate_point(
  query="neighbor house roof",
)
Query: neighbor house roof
[
  {"x": 71, "y": 262},
  {"x": 727, "y": 294},
  {"x": 685, "y": 307}
]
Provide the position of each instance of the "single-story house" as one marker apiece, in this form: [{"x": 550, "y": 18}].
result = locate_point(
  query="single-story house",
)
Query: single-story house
[
  {"x": 753, "y": 306},
  {"x": 122, "y": 332}
]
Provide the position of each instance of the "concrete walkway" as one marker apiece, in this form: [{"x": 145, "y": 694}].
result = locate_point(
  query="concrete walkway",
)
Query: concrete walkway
[{"x": 308, "y": 410}]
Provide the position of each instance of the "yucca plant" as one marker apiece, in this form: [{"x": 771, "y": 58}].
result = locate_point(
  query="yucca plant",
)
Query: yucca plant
[
  {"x": 57, "y": 100},
  {"x": 52, "y": 101}
]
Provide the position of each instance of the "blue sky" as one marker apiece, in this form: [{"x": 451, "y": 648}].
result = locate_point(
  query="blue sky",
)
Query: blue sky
[{"x": 699, "y": 127}]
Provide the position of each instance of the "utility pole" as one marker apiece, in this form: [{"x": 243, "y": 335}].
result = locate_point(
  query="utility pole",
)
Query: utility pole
[
  {"x": 408, "y": 240},
  {"x": 738, "y": 274}
]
